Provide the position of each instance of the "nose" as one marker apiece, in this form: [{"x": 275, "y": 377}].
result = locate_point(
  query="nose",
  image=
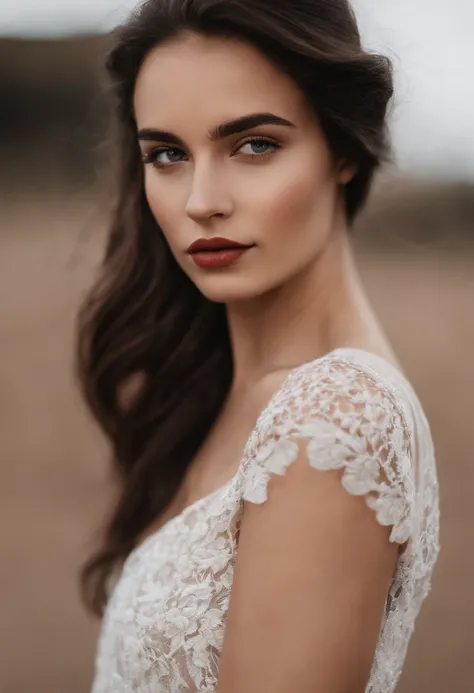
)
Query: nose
[{"x": 207, "y": 197}]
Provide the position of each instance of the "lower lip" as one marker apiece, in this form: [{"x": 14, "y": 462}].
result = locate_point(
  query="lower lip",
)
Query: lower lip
[{"x": 218, "y": 258}]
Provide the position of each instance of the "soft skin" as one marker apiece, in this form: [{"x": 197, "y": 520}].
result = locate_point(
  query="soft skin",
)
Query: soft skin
[{"x": 307, "y": 622}]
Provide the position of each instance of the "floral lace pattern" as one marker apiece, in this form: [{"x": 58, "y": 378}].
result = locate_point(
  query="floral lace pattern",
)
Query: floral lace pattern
[{"x": 164, "y": 624}]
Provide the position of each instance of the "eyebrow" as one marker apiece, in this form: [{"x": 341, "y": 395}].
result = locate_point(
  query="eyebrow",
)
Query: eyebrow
[{"x": 246, "y": 122}]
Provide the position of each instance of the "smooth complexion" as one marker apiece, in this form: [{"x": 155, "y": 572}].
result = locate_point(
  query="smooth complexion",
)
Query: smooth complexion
[
  {"x": 296, "y": 294},
  {"x": 309, "y": 622}
]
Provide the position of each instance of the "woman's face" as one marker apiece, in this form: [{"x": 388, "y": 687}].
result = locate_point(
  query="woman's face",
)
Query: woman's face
[{"x": 278, "y": 194}]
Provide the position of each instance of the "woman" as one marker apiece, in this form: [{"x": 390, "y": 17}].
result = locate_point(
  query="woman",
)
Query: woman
[{"x": 277, "y": 524}]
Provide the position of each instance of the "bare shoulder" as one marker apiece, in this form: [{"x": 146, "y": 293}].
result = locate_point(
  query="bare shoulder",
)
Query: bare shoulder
[
  {"x": 264, "y": 390},
  {"x": 310, "y": 378}
]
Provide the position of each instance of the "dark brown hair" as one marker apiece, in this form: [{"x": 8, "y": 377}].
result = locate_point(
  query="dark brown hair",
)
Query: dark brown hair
[{"x": 144, "y": 318}]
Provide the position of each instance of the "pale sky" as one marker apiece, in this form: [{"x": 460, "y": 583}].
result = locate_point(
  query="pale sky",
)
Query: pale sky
[{"x": 430, "y": 41}]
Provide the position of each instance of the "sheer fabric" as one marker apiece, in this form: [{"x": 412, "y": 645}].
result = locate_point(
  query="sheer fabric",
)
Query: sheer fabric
[{"x": 164, "y": 624}]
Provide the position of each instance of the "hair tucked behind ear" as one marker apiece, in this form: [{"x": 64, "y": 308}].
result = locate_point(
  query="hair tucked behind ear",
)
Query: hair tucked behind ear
[{"x": 144, "y": 320}]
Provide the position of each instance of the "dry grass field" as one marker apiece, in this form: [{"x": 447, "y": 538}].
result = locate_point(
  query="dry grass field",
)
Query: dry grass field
[{"x": 54, "y": 487}]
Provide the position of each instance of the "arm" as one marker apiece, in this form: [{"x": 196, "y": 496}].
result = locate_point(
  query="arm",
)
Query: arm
[{"x": 314, "y": 566}]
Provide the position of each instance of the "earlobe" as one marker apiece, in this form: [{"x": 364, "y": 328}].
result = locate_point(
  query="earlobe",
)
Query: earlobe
[{"x": 347, "y": 172}]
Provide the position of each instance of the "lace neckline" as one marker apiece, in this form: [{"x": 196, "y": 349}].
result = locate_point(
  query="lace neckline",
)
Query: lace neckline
[
  {"x": 181, "y": 516},
  {"x": 365, "y": 355}
]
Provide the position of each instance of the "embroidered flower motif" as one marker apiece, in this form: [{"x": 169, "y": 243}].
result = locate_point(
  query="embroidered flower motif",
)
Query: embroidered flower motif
[
  {"x": 393, "y": 510},
  {"x": 214, "y": 554},
  {"x": 133, "y": 656},
  {"x": 361, "y": 476},
  {"x": 283, "y": 454},
  {"x": 329, "y": 447},
  {"x": 255, "y": 485}
]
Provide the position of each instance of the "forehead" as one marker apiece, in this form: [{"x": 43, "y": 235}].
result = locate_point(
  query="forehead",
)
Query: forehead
[{"x": 213, "y": 77}]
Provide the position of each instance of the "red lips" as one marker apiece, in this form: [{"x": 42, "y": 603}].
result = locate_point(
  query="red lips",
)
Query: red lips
[{"x": 217, "y": 243}]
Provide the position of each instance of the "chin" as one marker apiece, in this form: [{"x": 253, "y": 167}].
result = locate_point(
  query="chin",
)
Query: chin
[{"x": 220, "y": 289}]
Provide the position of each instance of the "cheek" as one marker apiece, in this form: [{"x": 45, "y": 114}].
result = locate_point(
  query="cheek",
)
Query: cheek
[
  {"x": 163, "y": 206},
  {"x": 299, "y": 202},
  {"x": 166, "y": 208},
  {"x": 155, "y": 198}
]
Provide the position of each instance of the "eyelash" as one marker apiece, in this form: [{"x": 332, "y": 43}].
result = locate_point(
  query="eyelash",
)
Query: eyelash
[{"x": 149, "y": 157}]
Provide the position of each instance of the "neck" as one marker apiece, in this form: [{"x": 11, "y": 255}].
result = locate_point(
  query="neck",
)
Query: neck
[{"x": 322, "y": 308}]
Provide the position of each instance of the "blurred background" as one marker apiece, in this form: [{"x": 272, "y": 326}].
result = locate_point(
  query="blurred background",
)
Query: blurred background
[{"x": 415, "y": 245}]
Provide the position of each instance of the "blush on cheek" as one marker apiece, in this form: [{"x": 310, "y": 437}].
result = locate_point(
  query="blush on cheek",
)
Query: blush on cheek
[
  {"x": 295, "y": 199},
  {"x": 299, "y": 213}
]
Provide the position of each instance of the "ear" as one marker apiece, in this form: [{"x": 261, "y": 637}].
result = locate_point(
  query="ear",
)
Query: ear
[{"x": 346, "y": 172}]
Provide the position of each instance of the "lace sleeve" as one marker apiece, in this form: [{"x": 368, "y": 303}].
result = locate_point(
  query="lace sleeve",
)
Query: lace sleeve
[{"x": 346, "y": 421}]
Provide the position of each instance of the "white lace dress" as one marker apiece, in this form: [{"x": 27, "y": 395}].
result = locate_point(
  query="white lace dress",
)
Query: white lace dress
[{"x": 164, "y": 624}]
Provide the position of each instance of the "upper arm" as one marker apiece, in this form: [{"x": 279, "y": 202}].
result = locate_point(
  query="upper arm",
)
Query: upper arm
[{"x": 314, "y": 565}]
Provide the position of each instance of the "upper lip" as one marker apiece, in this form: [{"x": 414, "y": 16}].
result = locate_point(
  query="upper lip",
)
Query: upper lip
[{"x": 216, "y": 243}]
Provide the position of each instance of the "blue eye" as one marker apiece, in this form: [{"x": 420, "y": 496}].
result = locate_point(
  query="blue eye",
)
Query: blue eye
[
  {"x": 258, "y": 141},
  {"x": 152, "y": 156}
]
